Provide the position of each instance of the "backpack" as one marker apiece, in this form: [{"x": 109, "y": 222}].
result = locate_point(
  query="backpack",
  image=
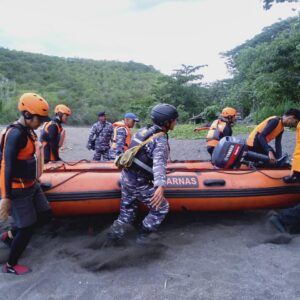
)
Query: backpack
[{"x": 126, "y": 159}]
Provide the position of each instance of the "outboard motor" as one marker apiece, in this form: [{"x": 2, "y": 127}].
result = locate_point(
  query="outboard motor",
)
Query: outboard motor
[{"x": 231, "y": 152}]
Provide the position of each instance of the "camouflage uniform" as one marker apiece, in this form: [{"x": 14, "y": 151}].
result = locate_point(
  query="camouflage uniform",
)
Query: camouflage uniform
[
  {"x": 102, "y": 133},
  {"x": 120, "y": 143},
  {"x": 138, "y": 187}
]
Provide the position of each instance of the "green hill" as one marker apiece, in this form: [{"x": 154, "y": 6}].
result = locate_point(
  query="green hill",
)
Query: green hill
[{"x": 87, "y": 86}]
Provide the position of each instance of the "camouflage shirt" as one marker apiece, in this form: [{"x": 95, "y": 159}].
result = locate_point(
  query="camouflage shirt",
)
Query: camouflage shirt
[
  {"x": 158, "y": 150},
  {"x": 102, "y": 134}
]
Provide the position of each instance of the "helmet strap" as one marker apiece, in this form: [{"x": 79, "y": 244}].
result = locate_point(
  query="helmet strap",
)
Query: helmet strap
[{"x": 27, "y": 115}]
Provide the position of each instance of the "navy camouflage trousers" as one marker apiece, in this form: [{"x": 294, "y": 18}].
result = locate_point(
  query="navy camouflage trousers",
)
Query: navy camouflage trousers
[
  {"x": 101, "y": 155},
  {"x": 136, "y": 188}
]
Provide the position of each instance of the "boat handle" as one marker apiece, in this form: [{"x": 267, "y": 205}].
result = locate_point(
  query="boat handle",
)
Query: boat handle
[{"x": 214, "y": 182}]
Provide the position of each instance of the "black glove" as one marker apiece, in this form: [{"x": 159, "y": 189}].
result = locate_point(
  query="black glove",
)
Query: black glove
[{"x": 294, "y": 178}]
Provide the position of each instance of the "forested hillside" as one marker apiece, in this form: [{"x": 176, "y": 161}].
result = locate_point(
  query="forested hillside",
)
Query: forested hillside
[
  {"x": 86, "y": 85},
  {"x": 265, "y": 81},
  {"x": 266, "y": 71}
]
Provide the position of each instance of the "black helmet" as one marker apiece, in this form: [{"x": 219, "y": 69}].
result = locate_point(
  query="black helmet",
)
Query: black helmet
[{"x": 162, "y": 113}]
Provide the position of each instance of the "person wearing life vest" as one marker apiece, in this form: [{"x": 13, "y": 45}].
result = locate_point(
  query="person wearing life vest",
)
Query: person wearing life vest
[
  {"x": 219, "y": 128},
  {"x": 146, "y": 179},
  {"x": 268, "y": 130},
  {"x": 100, "y": 137},
  {"x": 122, "y": 134},
  {"x": 53, "y": 134},
  {"x": 21, "y": 166}
]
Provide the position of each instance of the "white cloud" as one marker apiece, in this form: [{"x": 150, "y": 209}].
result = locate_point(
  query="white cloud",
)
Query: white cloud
[{"x": 162, "y": 33}]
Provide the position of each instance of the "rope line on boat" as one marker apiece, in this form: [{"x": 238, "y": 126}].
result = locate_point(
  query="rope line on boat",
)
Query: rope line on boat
[{"x": 221, "y": 172}]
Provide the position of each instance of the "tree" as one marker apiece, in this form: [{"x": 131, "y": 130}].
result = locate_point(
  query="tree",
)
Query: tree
[
  {"x": 267, "y": 4},
  {"x": 183, "y": 89}
]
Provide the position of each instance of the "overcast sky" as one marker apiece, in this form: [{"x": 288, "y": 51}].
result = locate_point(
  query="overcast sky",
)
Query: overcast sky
[{"x": 162, "y": 33}]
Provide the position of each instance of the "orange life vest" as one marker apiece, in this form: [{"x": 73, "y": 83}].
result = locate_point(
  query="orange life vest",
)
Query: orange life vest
[
  {"x": 296, "y": 154},
  {"x": 32, "y": 152},
  {"x": 60, "y": 130},
  {"x": 214, "y": 133},
  {"x": 116, "y": 126},
  {"x": 260, "y": 127}
]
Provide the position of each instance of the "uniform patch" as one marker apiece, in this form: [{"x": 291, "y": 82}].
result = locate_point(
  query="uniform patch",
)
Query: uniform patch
[{"x": 182, "y": 181}]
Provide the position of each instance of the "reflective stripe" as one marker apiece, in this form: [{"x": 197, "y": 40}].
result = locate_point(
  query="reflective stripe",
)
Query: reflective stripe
[
  {"x": 142, "y": 165},
  {"x": 137, "y": 140}
]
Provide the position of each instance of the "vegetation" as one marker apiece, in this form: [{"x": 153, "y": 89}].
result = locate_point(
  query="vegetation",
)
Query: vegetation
[
  {"x": 265, "y": 81},
  {"x": 86, "y": 85}
]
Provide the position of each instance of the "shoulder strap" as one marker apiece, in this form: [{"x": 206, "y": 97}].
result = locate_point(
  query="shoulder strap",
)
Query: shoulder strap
[
  {"x": 98, "y": 133},
  {"x": 150, "y": 139}
]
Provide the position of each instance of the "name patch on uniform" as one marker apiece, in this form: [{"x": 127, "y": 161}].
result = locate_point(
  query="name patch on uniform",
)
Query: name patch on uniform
[{"x": 182, "y": 181}]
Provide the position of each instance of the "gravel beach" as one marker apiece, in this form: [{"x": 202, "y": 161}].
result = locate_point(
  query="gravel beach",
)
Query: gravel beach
[{"x": 230, "y": 255}]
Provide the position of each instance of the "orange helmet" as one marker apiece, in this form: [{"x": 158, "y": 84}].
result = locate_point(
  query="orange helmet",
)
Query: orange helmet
[
  {"x": 34, "y": 104},
  {"x": 228, "y": 112},
  {"x": 61, "y": 108}
]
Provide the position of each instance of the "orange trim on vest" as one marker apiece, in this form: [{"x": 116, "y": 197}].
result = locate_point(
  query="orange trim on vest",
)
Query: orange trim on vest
[
  {"x": 62, "y": 134},
  {"x": 47, "y": 125},
  {"x": 260, "y": 127},
  {"x": 18, "y": 183},
  {"x": 33, "y": 148},
  {"x": 116, "y": 126},
  {"x": 213, "y": 135},
  {"x": 296, "y": 154},
  {"x": 28, "y": 151}
]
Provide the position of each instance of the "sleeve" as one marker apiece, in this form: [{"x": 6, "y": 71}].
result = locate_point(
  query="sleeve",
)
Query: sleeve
[
  {"x": 92, "y": 134},
  {"x": 160, "y": 158},
  {"x": 271, "y": 125},
  {"x": 278, "y": 146},
  {"x": 10, "y": 154},
  {"x": 120, "y": 140},
  {"x": 54, "y": 140}
]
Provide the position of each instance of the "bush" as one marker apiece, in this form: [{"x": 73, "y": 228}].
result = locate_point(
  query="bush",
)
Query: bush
[{"x": 277, "y": 110}]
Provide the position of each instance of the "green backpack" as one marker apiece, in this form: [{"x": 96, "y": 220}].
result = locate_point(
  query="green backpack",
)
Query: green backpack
[{"x": 125, "y": 160}]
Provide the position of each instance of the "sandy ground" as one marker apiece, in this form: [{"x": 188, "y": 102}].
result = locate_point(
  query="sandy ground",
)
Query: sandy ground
[{"x": 197, "y": 256}]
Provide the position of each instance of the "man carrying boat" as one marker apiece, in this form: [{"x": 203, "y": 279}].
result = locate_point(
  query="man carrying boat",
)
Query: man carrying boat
[
  {"x": 53, "y": 134},
  {"x": 100, "y": 137},
  {"x": 21, "y": 167},
  {"x": 219, "y": 128},
  {"x": 290, "y": 217},
  {"x": 122, "y": 134},
  {"x": 145, "y": 180},
  {"x": 269, "y": 129}
]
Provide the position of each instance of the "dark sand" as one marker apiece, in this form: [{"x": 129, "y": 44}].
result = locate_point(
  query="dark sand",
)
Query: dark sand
[{"x": 198, "y": 256}]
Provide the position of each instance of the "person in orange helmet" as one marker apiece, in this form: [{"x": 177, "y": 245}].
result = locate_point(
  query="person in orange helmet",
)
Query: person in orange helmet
[
  {"x": 270, "y": 129},
  {"x": 53, "y": 134},
  {"x": 219, "y": 128},
  {"x": 21, "y": 167}
]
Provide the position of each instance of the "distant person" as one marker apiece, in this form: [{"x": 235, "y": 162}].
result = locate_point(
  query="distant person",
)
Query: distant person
[
  {"x": 270, "y": 129},
  {"x": 219, "y": 128},
  {"x": 145, "y": 180},
  {"x": 21, "y": 167},
  {"x": 290, "y": 217},
  {"x": 53, "y": 134},
  {"x": 122, "y": 134},
  {"x": 100, "y": 137}
]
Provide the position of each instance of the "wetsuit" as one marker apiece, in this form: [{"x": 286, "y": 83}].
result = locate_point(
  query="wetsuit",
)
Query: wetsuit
[
  {"x": 265, "y": 132},
  {"x": 50, "y": 137},
  {"x": 18, "y": 183}
]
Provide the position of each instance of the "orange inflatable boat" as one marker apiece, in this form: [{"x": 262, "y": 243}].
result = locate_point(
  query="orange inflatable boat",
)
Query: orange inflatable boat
[{"x": 93, "y": 188}]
